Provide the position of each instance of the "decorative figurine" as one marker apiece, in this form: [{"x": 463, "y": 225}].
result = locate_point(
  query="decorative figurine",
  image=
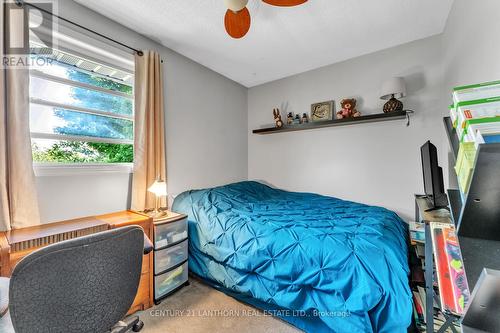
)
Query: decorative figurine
[
  {"x": 277, "y": 118},
  {"x": 304, "y": 119},
  {"x": 289, "y": 118},
  {"x": 348, "y": 109},
  {"x": 296, "y": 120}
]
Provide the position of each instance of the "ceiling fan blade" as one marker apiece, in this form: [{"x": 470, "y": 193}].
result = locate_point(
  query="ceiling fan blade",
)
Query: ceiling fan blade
[
  {"x": 237, "y": 23},
  {"x": 285, "y": 3}
]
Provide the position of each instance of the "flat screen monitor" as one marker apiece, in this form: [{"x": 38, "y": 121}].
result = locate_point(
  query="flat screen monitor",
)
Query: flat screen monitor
[{"x": 433, "y": 177}]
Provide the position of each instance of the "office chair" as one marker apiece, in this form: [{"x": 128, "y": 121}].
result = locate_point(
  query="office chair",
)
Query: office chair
[{"x": 86, "y": 284}]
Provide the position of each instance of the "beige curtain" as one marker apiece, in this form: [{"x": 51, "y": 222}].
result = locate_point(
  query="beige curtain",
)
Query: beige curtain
[
  {"x": 149, "y": 131},
  {"x": 18, "y": 197}
]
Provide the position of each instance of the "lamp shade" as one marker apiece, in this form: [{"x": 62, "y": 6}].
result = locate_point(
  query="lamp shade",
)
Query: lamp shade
[
  {"x": 159, "y": 188},
  {"x": 395, "y": 86}
]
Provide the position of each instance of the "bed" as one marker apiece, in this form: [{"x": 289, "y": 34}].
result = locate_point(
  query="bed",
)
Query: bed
[{"x": 320, "y": 263}]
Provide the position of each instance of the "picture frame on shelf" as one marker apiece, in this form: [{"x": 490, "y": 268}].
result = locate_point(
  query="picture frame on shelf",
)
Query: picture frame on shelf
[{"x": 322, "y": 111}]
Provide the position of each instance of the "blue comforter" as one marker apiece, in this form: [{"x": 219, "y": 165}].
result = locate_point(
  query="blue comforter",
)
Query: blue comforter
[{"x": 321, "y": 263}]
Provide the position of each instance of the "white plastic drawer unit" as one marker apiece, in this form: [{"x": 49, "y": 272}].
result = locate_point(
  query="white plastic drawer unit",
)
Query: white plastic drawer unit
[
  {"x": 171, "y": 256},
  {"x": 170, "y": 233},
  {"x": 171, "y": 280}
]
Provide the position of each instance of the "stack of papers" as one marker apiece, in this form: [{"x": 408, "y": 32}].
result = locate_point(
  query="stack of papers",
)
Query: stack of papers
[
  {"x": 476, "y": 108},
  {"x": 476, "y": 91},
  {"x": 464, "y": 167}
]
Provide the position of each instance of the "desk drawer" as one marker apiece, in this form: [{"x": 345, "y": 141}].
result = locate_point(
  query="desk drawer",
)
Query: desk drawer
[
  {"x": 170, "y": 280},
  {"x": 170, "y": 233},
  {"x": 170, "y": 257}
]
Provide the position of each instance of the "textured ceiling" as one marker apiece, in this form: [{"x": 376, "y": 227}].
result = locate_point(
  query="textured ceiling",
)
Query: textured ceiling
[{"x": 281, "y": 41}]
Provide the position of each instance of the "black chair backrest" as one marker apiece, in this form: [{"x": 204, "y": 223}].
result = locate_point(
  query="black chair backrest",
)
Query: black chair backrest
[{"x": 86, "y": 284}]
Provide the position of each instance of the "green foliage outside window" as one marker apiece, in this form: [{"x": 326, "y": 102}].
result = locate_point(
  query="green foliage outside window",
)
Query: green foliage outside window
[
  {"x": 83, "y": 152},
  {"x": 82, "y": 124}
]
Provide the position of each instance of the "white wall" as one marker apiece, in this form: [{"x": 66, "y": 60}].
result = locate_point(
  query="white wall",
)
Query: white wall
[
  {"x": 470, "y": 42},
  {"x": 206, "y": 123},
  {"x": 377, "y": 163},
  {"x": 66, "y": 197}
]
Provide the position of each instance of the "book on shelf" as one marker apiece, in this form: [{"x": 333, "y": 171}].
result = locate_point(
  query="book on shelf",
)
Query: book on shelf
[
  {"x": 453, "y": 289},
  {"x": 417, "y": 232},
  {"x": 421, "y": 295},
  {"x": 420, "y": 250},
  {"x": 419, "y": 306},
  {"x": 417, "y": 274}
]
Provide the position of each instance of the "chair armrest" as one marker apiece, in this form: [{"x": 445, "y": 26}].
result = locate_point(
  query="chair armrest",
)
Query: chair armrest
[
  {"x": 148, "y": 245},
  {"x": 4, "y": 255},
  {"x": 4, "y": 295}
]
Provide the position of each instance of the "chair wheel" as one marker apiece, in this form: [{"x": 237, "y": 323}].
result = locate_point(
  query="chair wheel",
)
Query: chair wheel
[{"x": 138, "y": 326}]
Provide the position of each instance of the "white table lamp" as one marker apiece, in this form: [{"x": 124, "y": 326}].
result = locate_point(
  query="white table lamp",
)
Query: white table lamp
[{"x": 159, "y": 189}]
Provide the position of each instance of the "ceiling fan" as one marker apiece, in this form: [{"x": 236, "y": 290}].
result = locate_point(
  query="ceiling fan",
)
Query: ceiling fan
[{"x": 237, "y": 20}]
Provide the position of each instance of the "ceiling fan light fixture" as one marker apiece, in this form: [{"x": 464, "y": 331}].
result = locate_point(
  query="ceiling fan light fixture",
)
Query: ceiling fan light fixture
[
  {"x": 236, "y": 5},
  {"x": 237, "y": 20},
  {"x": 237, "y": 23}
]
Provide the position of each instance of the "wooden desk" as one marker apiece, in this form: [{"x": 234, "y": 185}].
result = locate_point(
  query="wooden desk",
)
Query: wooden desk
[{"x": 16, "y": 244}]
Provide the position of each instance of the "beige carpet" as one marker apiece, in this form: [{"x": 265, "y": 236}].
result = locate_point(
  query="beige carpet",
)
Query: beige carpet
[{"x": 198, "y": 308}]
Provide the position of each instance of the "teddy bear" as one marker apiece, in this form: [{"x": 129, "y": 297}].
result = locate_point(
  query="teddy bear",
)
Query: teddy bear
[{"x": 348, "y": 109}]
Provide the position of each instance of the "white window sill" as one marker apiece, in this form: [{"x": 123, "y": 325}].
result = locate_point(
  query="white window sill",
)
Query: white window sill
[{"x": 59, "y": 169}]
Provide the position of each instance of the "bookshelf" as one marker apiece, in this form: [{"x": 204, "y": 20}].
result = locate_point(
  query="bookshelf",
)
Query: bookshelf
[
  {"x": 476, "y": 213},
  {"x": 447, "y": 320}
]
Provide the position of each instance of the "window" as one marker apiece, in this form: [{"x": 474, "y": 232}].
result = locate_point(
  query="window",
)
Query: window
[{"x": 81, "y": 111}]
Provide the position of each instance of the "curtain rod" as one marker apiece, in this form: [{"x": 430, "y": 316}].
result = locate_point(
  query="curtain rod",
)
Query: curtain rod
[{"x": 20, "y": 3}]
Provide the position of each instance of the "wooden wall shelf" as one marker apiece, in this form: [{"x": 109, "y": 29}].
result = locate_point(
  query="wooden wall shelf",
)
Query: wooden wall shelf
[{"x": 338, "y": 122}]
